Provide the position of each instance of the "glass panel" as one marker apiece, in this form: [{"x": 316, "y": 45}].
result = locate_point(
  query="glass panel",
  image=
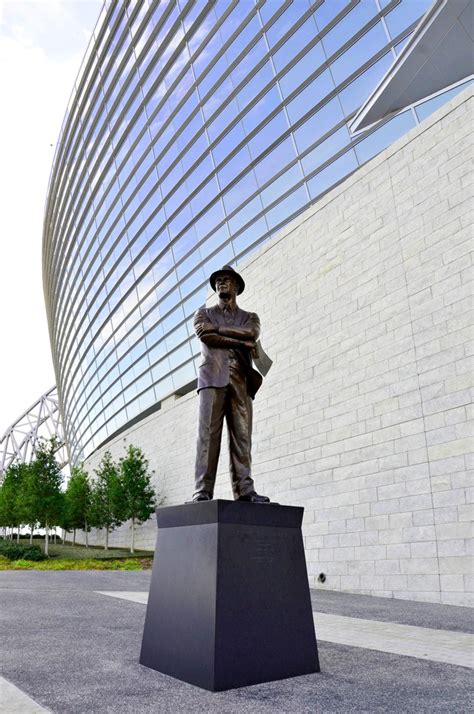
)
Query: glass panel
[
  {"x": 238, "y": 193},
  {"x": 248, "y": 237},
  {"x": 348, "y": 26},
  {"x": 285, "y": 22},
  {"x": 384, "y": 136},
  {"x": 295, "y": 42},
  {"x": 357, "y": 92},
  {"x": 427, "y": 108},
  {"x": 282, "y": 184},
  {"x": 318, "y": 125},
  {"x": 282, "y": 155},
  {"x": 263, "y": 107},
  {"x": 309, "y": 97},
  {"x": 268, "y": 134},
  {"x": 326, "y": 149},
  {"x": 405, "y": 13},
  {"x": 360, "y": 52},
  {"x": 332, "y": 174},
  {"x": 302, "y": 69},
  {"x": 328, "y": 11},
  {"x": 290, "y": 205}
]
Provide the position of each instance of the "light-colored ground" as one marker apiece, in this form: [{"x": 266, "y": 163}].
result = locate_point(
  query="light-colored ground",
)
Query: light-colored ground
[{"x": 421, "y": 642}]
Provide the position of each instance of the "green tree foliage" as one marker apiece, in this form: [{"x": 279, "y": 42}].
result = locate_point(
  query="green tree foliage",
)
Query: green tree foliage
[
  {"x": 10, "y": 501},
  {"x": 139, "y": 498},
  {"x": 78, "y": 501},
  {"x": 29, "y": 499},
  {"x": 46, "y": 498},
  {"x": 107, "y": 498},
  {"x": 14, "y": 504}
]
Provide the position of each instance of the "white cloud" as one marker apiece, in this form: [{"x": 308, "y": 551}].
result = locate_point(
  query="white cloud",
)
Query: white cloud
[{"x": 41, "y": 47}]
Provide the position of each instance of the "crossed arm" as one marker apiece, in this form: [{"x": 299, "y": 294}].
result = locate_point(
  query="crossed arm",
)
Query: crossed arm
[{"x": 224, "y": 336}]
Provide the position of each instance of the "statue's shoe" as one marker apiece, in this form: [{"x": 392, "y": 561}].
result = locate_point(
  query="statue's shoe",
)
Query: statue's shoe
[
  {"x": 201, "y": 496},
  {"x": 254, "y": 497}
]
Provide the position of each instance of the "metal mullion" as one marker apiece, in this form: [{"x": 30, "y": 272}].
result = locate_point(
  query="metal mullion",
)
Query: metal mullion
[
  {"x": 121, "y": 256},
  {"x": 148, "y": 311},
  {"x": 130, "y": 367},
  {"x": 168, "y": 66},
  {"x": 114, "y": 204},
  {"x": 194, "y": 193},
  {"x": 97, "y": 93},
  {"x": 138, "y": 304},
  {"x": 239, "y": 116},
  {"x": 296, "y": 125},
  {"x": 99, "y": 27},
  {"x": 124, "y": 60},
  {"x": 174, "y": 163},
  {"x": 127, "y": 404},
  {"x": 152, "y": 365},
  {"x": 225, "y": 47}
]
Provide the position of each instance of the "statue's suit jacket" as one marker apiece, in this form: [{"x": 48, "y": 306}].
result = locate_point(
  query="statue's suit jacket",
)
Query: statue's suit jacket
[{"x": 214, "y": 367}]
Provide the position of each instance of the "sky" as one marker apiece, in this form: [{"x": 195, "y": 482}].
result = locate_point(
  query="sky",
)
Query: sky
[{"x": 42, "y": 43}]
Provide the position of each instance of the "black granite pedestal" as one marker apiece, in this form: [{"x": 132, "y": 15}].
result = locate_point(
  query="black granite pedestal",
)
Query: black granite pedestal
[{"x": 229, "y": 602}]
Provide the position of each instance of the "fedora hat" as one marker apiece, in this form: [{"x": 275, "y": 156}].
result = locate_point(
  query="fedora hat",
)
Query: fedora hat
[{"x": 228, "y": 270}]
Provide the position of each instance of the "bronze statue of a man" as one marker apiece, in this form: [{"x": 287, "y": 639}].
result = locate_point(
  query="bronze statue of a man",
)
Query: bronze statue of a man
[{"x": 227, "y": 383}]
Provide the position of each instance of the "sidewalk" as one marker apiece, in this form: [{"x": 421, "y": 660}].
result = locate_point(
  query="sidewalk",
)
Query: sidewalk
[{"x": 71, "y": 642}]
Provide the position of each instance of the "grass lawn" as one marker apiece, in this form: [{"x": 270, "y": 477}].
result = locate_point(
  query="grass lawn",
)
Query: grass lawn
[
  {"x": 67, "y": 557},
  {"x": 70, "y": 564}
]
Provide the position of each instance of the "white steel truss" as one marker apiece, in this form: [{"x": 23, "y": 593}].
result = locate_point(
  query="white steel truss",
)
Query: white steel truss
[{"x": 41, "y": 421}]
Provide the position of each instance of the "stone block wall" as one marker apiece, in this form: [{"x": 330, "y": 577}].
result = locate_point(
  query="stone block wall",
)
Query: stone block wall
[{"x": 364, "y": 418}]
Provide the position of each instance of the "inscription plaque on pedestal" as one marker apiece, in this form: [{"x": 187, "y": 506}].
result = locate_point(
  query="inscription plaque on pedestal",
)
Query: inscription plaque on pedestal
[{"x": 229, "y": 602}]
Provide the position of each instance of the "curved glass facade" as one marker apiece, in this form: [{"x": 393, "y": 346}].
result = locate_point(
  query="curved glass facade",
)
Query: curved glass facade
[{"x": 195, "y": 130}]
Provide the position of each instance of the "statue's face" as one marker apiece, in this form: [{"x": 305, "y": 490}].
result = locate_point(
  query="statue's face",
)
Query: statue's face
[{"x": 226, "y": 285}]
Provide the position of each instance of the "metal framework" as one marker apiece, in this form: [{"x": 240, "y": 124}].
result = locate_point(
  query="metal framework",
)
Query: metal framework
[{"x": 41, "y": 420}]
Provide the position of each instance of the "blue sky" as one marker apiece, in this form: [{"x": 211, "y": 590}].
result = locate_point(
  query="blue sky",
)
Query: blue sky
[{"x": 42, "y": 43}]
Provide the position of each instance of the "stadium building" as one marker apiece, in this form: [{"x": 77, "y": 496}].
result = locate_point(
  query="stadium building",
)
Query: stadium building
[{"x": 297, "y": 142}]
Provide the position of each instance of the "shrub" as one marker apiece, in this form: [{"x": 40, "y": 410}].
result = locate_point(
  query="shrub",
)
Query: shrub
[{"x": 17, "y": 551}]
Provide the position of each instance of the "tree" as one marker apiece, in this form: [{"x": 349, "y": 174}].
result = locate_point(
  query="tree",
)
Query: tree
[
  {"x": 138, "y": 493},
  {"x": 11, "y": 508},
  {"x": 107, "y": 498},
  {"x": 78, "y": 501},
  {"x": 46, "y": 495},
  {"x": 28, "y": 504}
]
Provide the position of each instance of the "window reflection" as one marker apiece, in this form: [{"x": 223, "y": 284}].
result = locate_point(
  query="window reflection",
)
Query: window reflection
[
  {"x": 404, "y": 14},
  {"x": 383, "y": 137},
  {"x": 170, "y": 169},
  {"x": 360, "y": 52},
  {"x": 332, "y": 174}
]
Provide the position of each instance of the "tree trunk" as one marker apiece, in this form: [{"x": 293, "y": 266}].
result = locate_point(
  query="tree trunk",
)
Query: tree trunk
[
  {"x": 46, "y": 540},
  {"x": 18, "y": 535},
  {"x": 54, "y": 537},
  {"x": 32, "y": 527},
  {"x": 106, "y": 546},
  {"x": 74, "y": 537},
  {"x": 87, "y": 540},
  {"x": 132, "y": 543}
]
